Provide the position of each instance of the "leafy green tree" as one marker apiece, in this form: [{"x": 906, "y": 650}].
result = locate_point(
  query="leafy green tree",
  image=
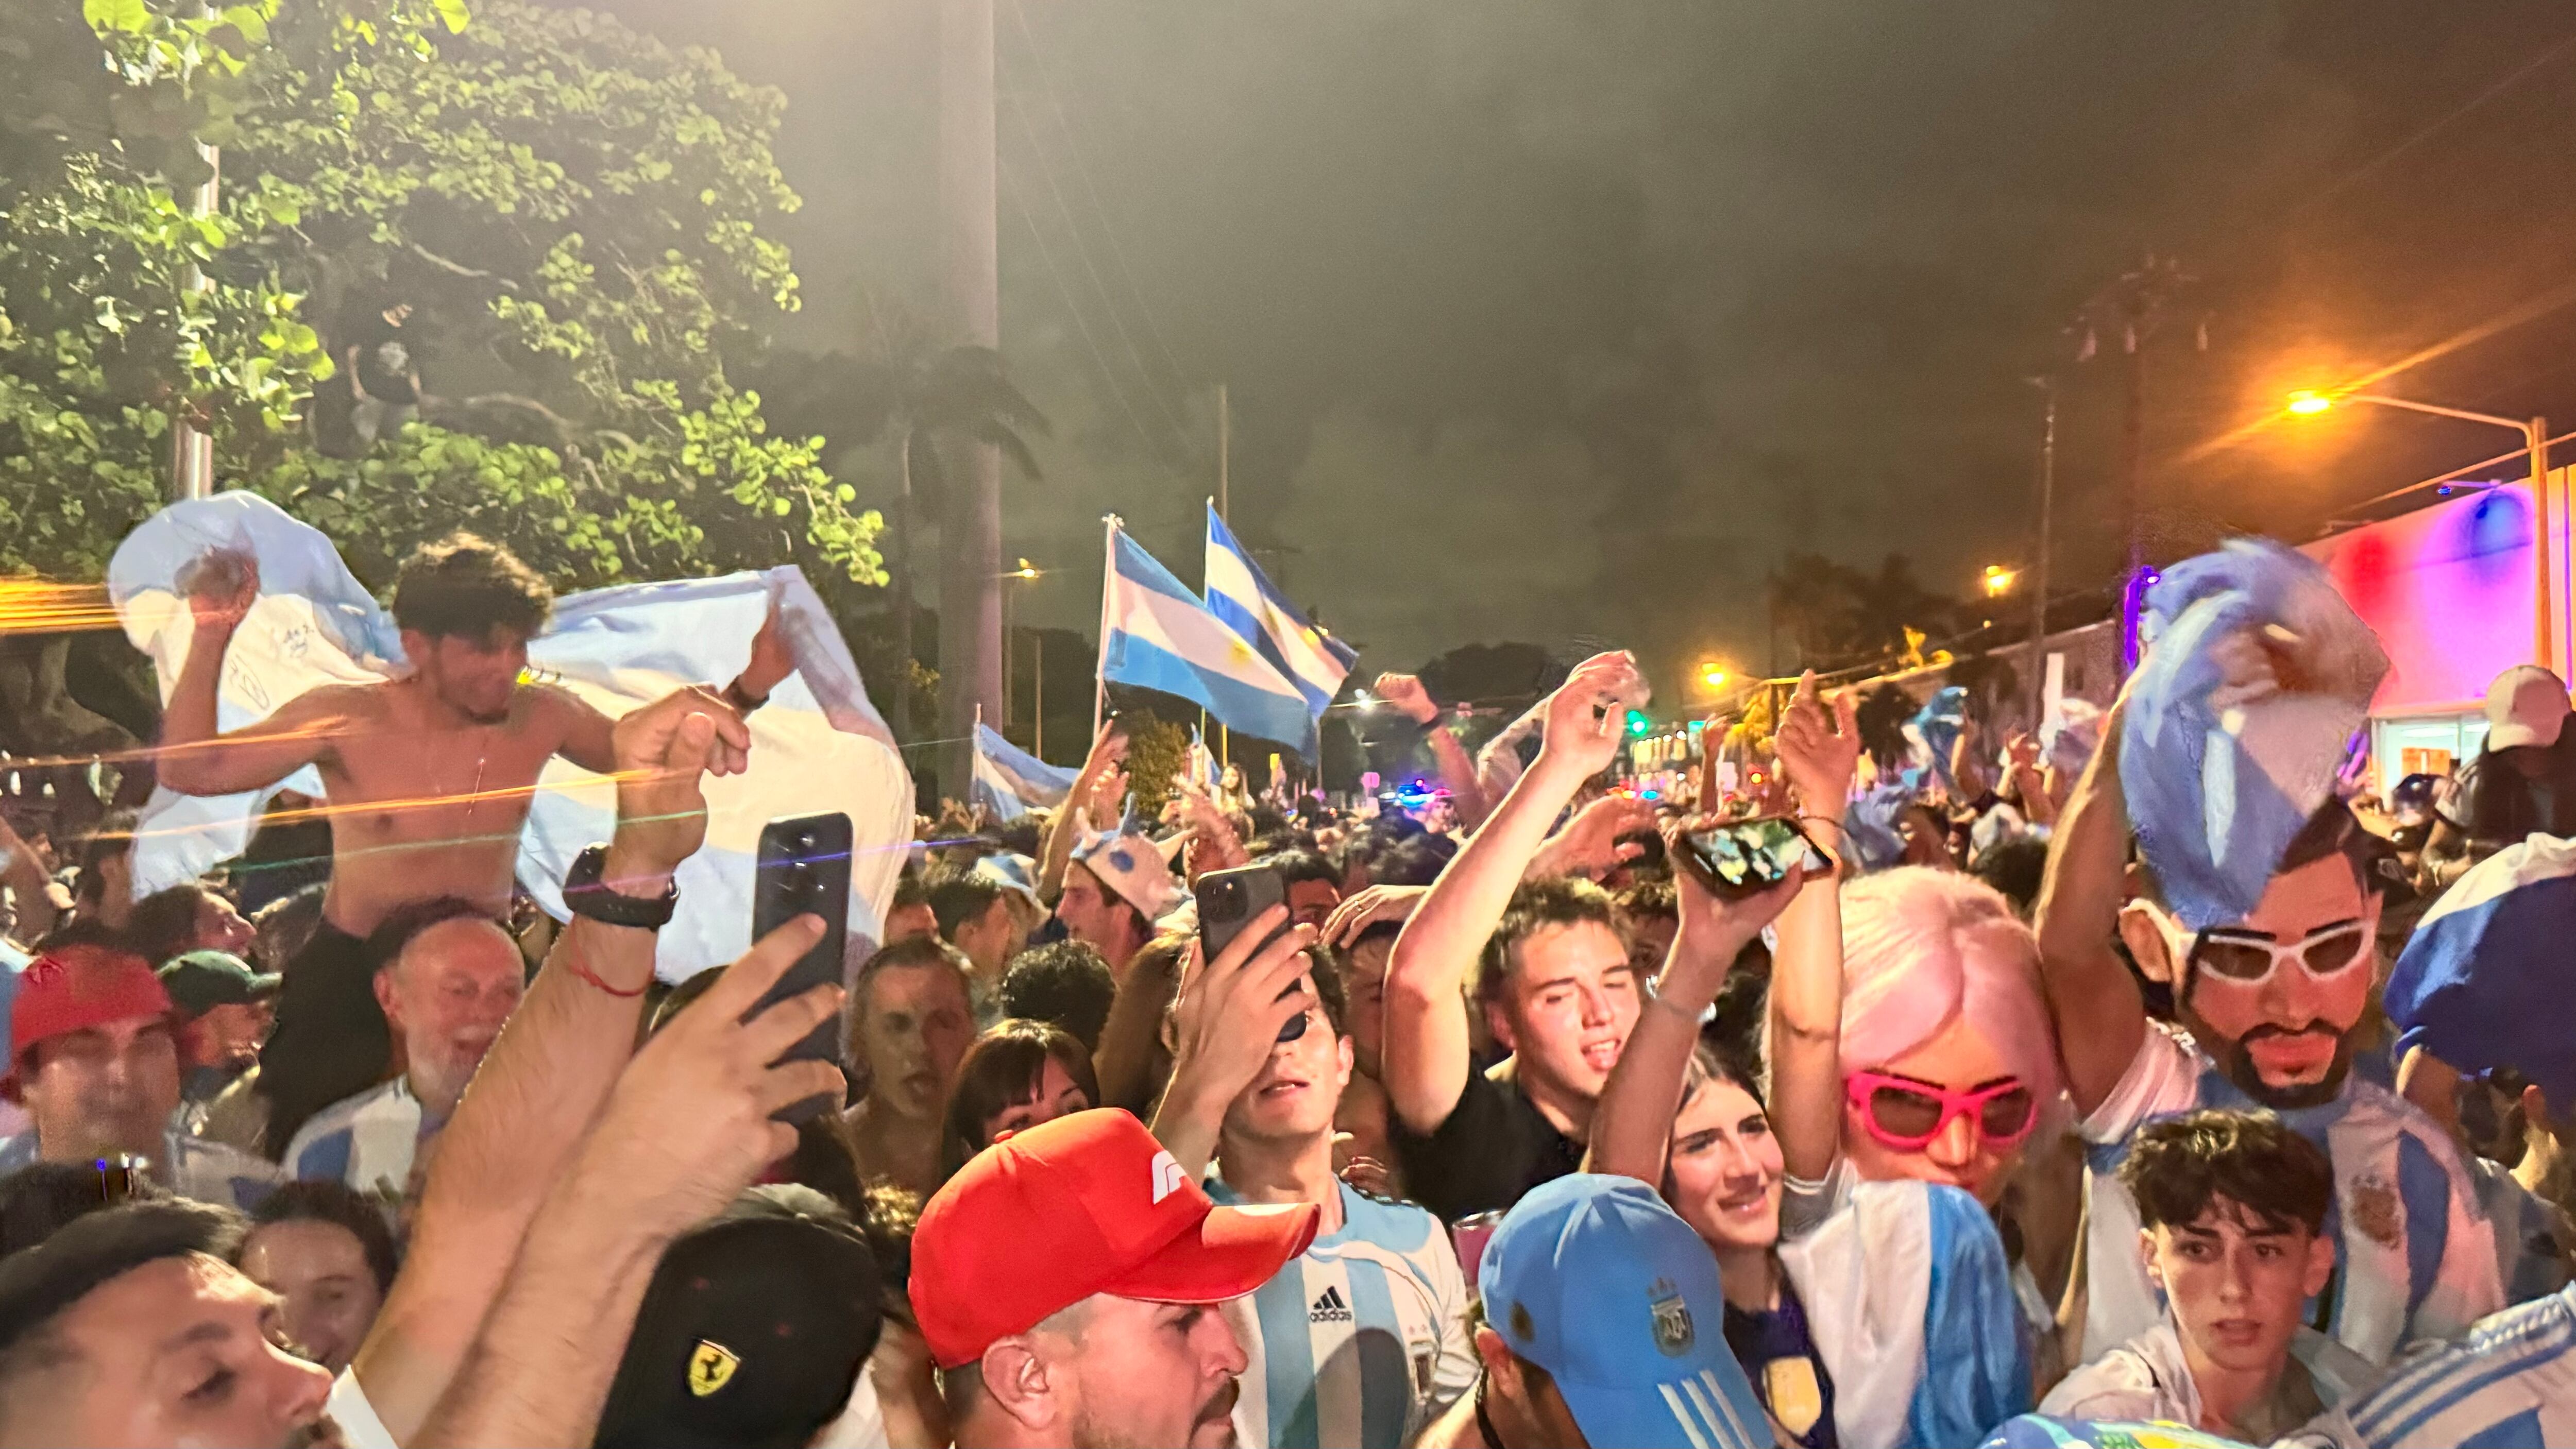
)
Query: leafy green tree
[{"x": 578, "y": 217}]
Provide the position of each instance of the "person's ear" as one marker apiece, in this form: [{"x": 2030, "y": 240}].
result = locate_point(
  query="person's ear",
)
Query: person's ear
[
  {"x": 2148, "y": 945},
  {"x": 1499, "y": 1024},
  {"x": 1344, "y": 1059},
  {"x": 386, "y": 997},
  {"x": 2321, "y": 1263},
  {"x": 2147, "y": 1253},
  {"x": 1016, "y": 1380}
]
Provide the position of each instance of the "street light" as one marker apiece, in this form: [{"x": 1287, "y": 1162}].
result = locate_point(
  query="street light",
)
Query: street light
[
  {"x": 2535, "y": 438},
  {"x": 1026, "y": 572},
  {"x": 1713, "y": 675},
  {"x": 1999, "y": 580}
]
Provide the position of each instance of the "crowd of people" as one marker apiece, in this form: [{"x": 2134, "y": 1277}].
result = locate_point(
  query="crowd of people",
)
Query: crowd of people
[{"x": 1525, "y": 1117}]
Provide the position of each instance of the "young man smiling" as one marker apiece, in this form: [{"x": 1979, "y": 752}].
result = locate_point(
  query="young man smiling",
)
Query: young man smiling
[
  {"x": 2234, "y": 1209},
  {"x": 2269, "y": 1004},
  {"x": 1553, "y": 979},
  {"x": 1362, "y": 1339}
]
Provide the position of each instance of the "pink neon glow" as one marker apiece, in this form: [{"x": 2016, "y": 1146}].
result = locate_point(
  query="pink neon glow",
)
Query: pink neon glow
[{"x": 2448, "y": 589}]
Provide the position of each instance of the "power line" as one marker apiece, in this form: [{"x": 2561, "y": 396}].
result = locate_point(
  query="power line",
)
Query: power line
[
  {"x": 1081, "y": 324},
  {"x": 2520, "y": 74},
  {"x": 1073, "y": 143}
]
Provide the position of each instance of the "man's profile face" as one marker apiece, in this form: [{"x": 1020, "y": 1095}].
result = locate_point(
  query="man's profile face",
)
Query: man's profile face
[
  {"x": 229, "y": 1035},
  {"x": 2282, "y": 1039},
  {"x": 1568, "y": 1006},
  {"x": 476, "y": 677},
  {"x": 1147, "y": 1374},
  {"x": 987, "y": 939},
  {"x": 1310, "y": 901},
  {"x": 917, "y": 1027},
  {"x": 1092, "y": 913},
  {"x": 219, "y": 927},
  {"x": 2239, "y": 1285},
  {"x": 178, "y": 1351},
  {"x": 104, "y": 1089},
  {"x": 448, "y": 995}
]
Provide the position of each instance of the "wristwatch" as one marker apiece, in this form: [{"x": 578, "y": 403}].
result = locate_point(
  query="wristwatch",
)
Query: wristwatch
[{"x": 585, "y": 894}]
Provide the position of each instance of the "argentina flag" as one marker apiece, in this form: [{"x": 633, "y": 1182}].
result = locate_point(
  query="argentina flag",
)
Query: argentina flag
[
  {"x": 817, "y": 746},
  {"x": 1155, "y": 634},
  {"x": 1240, "y": 594},
  {"x": 2485, "y": 980},
  {"x": 1010, "y": 782},
  {"x": 2238, "y": 720}
]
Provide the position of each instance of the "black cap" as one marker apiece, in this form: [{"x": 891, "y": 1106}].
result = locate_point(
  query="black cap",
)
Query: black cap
[
  {"x": 200, "y": 981},
  {"x": 754, "y": 1330}
]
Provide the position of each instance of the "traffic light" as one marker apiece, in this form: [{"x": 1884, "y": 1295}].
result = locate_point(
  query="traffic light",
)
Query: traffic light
[{"x": 1638, "y": 724}]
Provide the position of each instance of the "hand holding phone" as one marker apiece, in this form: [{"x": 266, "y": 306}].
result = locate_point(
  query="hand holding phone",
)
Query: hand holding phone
[
  {"x": 1738, "y": 858},
  {"x": 1230, "y": 901},
  {"x": 804, "y": 869}
]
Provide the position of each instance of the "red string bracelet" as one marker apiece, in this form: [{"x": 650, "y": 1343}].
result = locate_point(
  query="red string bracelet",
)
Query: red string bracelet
[{"x": 572, "y": 963}]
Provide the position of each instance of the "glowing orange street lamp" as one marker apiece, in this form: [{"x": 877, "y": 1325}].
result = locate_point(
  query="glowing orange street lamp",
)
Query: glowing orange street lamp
[
  {"x": 1999, "y": 580},
  {"x": 2535, "y": 436}
]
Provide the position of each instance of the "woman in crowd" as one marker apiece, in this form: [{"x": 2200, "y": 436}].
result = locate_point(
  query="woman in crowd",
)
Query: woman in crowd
[
  {"x": 1015, "y": 1076},
  {"x": 326, "y": 1252}
]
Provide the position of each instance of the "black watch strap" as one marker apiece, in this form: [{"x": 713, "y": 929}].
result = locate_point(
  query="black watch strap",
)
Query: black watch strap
[{"x": 585, "y": 894}]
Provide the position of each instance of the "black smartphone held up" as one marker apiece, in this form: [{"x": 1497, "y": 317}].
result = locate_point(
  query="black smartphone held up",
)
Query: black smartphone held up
[
  {"x": 1740, "y": 857},
  {"x": 1228, "y": 900},
  {"x": 804, "y": 869}
]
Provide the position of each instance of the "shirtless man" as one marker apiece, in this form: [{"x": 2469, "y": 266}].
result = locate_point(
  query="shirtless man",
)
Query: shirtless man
[{"x": 430, "y": 777}]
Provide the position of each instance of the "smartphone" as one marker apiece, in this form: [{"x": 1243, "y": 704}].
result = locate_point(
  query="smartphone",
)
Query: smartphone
[
  {"x": 804, "y": 869},
  {"x": 1740, "y": 857},
  {"x": 1228, "y": 900}
]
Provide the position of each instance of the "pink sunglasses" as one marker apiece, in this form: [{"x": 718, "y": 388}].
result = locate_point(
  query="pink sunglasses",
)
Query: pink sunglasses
[{"x": 1907, "y": 1115}]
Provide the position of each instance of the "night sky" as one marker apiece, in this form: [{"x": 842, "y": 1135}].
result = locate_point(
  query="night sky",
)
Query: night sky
[{"x": 1566, "y": 322}]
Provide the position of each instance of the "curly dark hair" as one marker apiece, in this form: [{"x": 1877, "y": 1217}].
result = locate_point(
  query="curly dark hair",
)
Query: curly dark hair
[
  {"x": 463, "y": 586},
  {"x": 2179, "y": 1168}
]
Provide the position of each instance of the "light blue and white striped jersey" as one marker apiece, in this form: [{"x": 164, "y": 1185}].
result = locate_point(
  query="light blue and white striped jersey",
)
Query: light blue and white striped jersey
[
  {"x": 1360, "y": 1341},
  {"x": 367, "y": 1141},
  {"x": 2511, "y": 1384},
  {"x": 2415, "y": 1254}
]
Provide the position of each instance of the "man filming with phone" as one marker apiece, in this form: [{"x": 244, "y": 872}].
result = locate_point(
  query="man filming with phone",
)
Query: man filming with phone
[
  {"x": 1554, "y": 981},
  {"x": 1261, "y": 1058}
]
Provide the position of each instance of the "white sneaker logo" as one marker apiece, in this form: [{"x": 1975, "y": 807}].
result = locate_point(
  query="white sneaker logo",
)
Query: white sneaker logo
[{"x": 1168, "y": 1177}]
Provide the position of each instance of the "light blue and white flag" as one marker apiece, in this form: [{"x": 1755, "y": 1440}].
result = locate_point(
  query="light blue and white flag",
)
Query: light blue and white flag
[
  {"x": 1010, "y": 782},
  {"x": 1157, "y": 635},
  {"x": 2257, "y": 675},
  {"x": 818, "y": 746},
  {"x": 1240, "y": 594},
  {"x": 2485, "y": 980}
]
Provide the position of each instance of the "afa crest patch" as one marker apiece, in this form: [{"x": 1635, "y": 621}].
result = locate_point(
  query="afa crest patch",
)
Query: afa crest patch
[{"x": 1674, "y": 1333}]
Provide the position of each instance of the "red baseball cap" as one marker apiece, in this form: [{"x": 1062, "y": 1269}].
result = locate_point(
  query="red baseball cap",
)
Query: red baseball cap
[
  {"x": 1088, "y": 1203},
  {"x": 78, "y": 987}
]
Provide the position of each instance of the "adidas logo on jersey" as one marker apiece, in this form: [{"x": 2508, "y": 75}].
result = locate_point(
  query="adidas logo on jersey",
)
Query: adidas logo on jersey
[{"x": 1329, "y": 1308}]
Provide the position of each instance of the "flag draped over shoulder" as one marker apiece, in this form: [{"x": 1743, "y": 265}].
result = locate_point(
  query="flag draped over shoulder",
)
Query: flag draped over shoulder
[
  {"x": 817, "y": 747},
  {"x": 1010, "y": 782},
  {"x": 2238, "y": 720},
  {"x": 1239, "y": 593},
  {"x": 1157, "y": 635}
]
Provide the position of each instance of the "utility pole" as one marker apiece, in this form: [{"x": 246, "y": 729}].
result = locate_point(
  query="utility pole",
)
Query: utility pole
[
  {"x": 192, "y": 451},
  {"x": 2039, "y": 553},
  {"x": 2132, "y": 308},
  {"x": 970, "y": 593}
]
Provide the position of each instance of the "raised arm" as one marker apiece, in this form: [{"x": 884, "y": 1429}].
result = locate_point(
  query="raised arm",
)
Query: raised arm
[
  {"x": 1426, "y": 1056},
  {"x": 687, "y": 1128},
  {"x": 196, "y": 757},
  {"x": 1456, "y": 769},
  {"x": 1108, "y": 748},
  {"x": 543, "y": 1082},
  {"x": 2092, "y": 1000},
  {"x": 1818, "y": 753},
  {"x": 1632, "y": 1128},
  {"x": 1226, "y": 1023}
]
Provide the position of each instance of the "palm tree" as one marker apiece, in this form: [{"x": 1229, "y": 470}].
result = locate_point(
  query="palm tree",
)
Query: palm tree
[{"x": 907, "y": 388}]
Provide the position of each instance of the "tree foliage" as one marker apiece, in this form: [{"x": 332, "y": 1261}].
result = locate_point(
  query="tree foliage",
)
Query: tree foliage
[
  {"x": 1839, "y": 615},
  {"x": 579, "y": 217}
]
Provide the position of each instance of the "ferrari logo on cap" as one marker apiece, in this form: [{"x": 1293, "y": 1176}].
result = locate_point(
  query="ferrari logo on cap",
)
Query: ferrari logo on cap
[
  {"x": 1673, "y": 1332},
  {"x": 1168, "y": 1177},
  {"x": 711, "y": 1367}
]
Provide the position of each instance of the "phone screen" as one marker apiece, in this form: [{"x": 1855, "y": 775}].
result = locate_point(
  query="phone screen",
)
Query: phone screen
[{"x": 1752, "y": 854}]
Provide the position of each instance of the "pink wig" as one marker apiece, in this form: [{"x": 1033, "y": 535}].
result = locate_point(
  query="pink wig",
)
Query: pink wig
[{"x": 1924, "y": 948}]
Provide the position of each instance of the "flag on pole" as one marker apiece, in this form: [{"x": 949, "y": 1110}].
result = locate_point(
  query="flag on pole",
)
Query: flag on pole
[
  {"x": 817, "y": 746},
  {"x": 1240, "y": 594},
  {"x": 1155, "y": 634},
  {"x": 1009, "y": 781}
]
